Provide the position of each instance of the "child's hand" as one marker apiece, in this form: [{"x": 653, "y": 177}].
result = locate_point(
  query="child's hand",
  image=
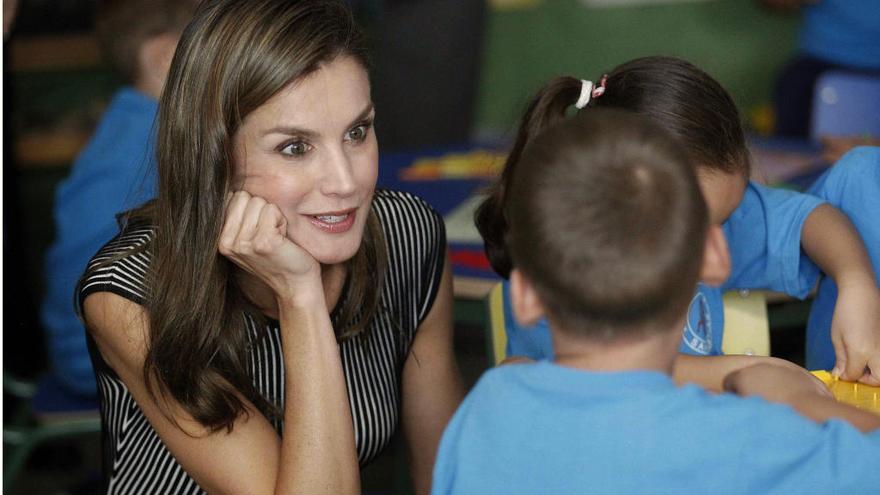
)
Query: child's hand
[
  {"x": 855, "y": 332},
  {"x": 775, "y": 383},
  {"x": 254, "y": 237},
  {"x": 800, "y": 390}
]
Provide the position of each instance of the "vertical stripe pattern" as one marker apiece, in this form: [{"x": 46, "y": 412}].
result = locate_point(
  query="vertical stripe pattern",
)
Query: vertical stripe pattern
[{"x": 135, "y": 459}]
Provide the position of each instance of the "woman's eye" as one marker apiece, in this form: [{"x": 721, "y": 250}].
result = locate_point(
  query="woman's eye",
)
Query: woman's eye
[
  {"x": 358, "y": 133},
  {"x": 296, "y": 148}
]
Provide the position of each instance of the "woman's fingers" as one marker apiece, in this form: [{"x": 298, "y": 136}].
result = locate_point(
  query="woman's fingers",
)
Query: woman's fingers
[
  {"x": 236, "y": 203},
  {"x": 254, "y": 237},
  {"x": 242, "y": 224},
  {"x": 250, "y": 218},
  {"x": 270, "y": 228}
]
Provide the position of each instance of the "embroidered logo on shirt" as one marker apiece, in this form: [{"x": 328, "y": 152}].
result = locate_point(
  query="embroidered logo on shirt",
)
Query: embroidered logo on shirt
[{"x": 698, "y": 328}]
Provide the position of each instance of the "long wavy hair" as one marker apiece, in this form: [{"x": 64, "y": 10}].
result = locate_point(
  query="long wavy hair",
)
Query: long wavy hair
[{"x": 233, "y": 57}]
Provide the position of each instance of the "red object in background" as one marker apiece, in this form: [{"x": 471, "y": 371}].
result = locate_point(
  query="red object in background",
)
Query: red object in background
[{"x": 470, "y": 258}]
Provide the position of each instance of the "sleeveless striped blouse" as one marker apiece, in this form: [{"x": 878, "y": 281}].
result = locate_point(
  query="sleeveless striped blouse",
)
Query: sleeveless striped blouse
[{"x": 136, "y": 461}]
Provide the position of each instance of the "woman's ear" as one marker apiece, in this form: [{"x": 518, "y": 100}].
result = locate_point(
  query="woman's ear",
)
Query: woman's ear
[
  {"x": 716, "y": 257},
  {"x": 527, "y": 307}
]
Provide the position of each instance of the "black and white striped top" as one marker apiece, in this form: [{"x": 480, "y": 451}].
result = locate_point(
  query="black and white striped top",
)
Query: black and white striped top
[{"x": 135, "y": 459}]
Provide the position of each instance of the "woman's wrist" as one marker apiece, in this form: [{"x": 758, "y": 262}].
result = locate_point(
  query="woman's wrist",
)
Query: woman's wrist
[{"x": 299, "y": 297}]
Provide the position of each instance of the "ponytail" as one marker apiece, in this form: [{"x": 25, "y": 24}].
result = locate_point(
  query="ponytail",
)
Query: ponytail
[{"x": 547, "y": 107}]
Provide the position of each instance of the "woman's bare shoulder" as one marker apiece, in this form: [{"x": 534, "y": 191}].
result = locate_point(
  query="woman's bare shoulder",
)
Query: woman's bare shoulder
[{"x": 118, "y": 325}]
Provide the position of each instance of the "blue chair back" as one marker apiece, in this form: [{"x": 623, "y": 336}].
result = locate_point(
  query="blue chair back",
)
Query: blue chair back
[{"x": 846, "y": 104}]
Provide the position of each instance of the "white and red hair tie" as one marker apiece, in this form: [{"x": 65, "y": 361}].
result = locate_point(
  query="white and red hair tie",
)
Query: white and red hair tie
[{"x": 589, "y": 91}]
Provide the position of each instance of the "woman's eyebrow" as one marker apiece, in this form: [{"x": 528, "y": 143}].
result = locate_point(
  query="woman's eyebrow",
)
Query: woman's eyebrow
[
  {"x": 291, "y": 131},
  {"x": 307, "y": 133},
  {"x": 364, "y": 113}
]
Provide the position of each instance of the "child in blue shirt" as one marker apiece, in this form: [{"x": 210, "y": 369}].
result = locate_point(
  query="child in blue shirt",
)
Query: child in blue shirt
[
  {"x": 614, "y": 280},
  {"x": 834, "y": 35},
  {"x": 853, "y": 185},
  {"x": 113, "y": 173},
  {"x": 773, "y": 236}
]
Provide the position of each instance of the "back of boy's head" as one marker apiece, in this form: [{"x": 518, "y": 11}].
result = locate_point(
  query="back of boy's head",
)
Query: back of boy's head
[
  {"x": 676, "y": 95},
  {"x": 123, "y": 26},
  {"x": 607, "y": 223}
]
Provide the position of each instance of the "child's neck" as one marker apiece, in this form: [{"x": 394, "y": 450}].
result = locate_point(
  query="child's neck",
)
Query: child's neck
[{"x": 654, "y": 352}]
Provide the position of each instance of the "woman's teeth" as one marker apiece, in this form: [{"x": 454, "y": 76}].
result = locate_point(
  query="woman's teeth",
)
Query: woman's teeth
[{"x": 331, "y": 218}]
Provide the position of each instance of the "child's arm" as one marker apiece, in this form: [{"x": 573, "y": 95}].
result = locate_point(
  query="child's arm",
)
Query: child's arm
[
  {"x": 709, "y": 372},
  {"x": 802, "y": 391},
  {"x": 832, "y": 242}
]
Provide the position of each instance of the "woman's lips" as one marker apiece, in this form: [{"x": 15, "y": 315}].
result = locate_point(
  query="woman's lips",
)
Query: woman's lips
[{"x": 335, "y": 222}]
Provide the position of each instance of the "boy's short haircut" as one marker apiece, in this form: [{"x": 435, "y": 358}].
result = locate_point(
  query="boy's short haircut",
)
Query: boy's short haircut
[
  {"x": 122, "y": 26},
  {"x": 608, "y": 224}
]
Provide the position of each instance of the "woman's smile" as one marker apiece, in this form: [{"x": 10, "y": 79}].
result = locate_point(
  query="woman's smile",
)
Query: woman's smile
[{"x": 334, "y": 222}]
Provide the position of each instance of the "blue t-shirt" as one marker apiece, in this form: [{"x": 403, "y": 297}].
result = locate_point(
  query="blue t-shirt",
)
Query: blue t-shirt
[
  {"x": 853, "y": 186},
  {"x": 764, "y": 237},
  {"x": 543, "y": 428},
  {"x": 115, "y": 172},
  {"x": 844, "y": 32}
]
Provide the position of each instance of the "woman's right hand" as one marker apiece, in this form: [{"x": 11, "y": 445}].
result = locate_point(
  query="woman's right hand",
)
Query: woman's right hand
[{"x": 254, "y": 237}]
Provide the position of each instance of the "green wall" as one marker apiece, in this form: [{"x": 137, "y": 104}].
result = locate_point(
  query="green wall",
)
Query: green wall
[{"x": 736, "y": 41}]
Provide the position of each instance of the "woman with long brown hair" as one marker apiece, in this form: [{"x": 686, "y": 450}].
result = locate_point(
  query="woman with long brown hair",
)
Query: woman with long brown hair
[{"x": 269, "y": 285}]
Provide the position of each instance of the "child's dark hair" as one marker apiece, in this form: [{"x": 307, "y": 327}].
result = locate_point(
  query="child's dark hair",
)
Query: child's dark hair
[
  {"x": 608, "y": 223},
  {"x": 122, "y": 26},
  {"x": 679, "y": 97}
]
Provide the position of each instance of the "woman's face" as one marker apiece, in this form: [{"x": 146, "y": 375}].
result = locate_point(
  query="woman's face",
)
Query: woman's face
[{"x": 311, "y": 151}]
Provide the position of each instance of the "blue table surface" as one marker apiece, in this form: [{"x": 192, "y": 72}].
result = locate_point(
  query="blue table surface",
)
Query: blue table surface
[{"x": 442, "y": 194}]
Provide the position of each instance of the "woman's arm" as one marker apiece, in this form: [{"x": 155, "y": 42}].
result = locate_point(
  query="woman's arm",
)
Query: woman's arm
[
  {"x": 244, "y": 460},
  {"x": 832, "y": 242},
  {"x": 317, "y": 454},
  {"x": 432, "y": 387}
]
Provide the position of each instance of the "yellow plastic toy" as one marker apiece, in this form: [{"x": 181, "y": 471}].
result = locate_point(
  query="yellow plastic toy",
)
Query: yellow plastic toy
[{"x": 856, "y": 394}]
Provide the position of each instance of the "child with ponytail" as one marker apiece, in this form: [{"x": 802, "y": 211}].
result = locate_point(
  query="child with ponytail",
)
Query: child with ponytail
[{"x": 775, "y": 239}]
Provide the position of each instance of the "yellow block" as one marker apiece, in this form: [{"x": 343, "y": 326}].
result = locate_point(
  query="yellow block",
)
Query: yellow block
[{"x": 855, "y": 394}]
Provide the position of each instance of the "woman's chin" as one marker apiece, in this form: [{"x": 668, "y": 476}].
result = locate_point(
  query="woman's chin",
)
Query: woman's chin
[{"x": 335, "y": 255}]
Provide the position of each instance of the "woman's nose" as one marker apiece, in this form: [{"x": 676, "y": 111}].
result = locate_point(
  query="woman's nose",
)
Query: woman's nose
[{"x": 338, "y": 179}]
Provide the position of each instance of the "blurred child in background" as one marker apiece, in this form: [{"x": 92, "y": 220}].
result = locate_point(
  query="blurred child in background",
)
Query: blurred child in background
[{"x": 115, "y": 171}]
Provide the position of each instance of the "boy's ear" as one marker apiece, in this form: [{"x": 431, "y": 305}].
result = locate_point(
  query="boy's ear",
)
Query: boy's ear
[
  {"x": 716, "y": 257},
  {"x": 527, "y": 307}
]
